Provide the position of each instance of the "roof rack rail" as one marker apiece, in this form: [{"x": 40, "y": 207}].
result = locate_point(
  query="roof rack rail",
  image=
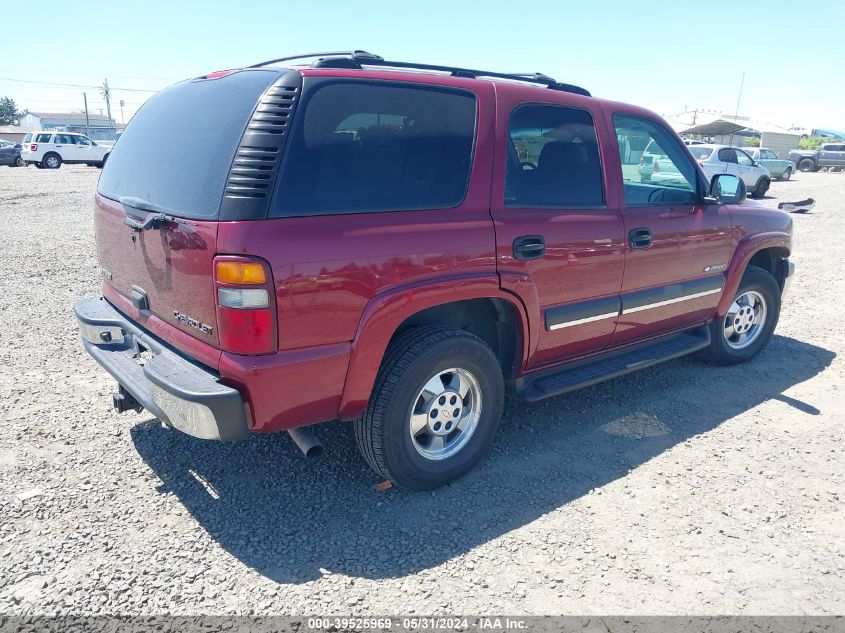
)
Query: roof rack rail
[
  {"x": 359, "y": 58},
  {"x": 362, "y": 55}
]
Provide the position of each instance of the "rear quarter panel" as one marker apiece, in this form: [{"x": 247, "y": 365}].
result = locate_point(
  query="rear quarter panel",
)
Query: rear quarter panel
[{"x": 332, "y": 273}]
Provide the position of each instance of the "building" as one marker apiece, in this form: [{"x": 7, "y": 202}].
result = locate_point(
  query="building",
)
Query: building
[
  {"x": 730, "y": 130},
  {"x": 98, "y": 126},
  {"x": 13, "y": 133}
]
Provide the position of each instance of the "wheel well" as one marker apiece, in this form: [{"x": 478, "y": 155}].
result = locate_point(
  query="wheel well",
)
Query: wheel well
[
  {"x": 494, "y": 321},
  {"x": 773, "y": 261}
]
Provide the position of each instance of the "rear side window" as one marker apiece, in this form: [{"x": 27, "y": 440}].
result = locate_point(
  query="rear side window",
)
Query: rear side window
[
  {"x": 176, "y": 152},
  {"x": 361, "y": 146},
  {"x": 43, "y": 138},
  {"x": 553, "y": 158}
]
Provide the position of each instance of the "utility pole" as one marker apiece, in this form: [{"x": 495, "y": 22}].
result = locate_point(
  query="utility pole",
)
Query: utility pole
[
  {"x": 107, "y": 95},
  {"x": 87, "y": 123},
  {"x": 122, "y": 122}
]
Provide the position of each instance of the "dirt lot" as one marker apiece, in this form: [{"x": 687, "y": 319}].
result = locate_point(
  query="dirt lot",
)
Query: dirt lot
[{"x": 681, "y": 489}]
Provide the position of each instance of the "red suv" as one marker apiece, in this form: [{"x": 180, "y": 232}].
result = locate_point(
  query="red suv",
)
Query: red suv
[{"x": 403, "y": 245}]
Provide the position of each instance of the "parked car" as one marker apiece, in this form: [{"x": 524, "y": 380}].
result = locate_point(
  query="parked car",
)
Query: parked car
[
  {"x": 833, "y": 135},
  {"x": 827, "y": 155},
  {"x": 724, "y": 159},
  {"x": 48, "y": 150},
  {"x": 10, "y": 154},
  {"x": 779, "y": 168},
  {"x": 361, "y": 246}
]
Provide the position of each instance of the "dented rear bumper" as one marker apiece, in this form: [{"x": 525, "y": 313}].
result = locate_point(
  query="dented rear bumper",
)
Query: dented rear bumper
[{"x": 181, "y": 393}]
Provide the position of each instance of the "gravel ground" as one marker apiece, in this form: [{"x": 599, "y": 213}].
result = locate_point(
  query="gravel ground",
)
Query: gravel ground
[{"x": 682, "y": 489}]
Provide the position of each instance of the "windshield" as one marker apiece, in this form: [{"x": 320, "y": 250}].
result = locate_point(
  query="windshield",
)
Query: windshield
[
  {"x": 699, "y": 152},
  {"x": 176, "y": 152}
]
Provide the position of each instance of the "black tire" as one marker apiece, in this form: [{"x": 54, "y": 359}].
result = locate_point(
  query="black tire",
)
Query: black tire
[
  {"x": 51, "y": 160},
  {"x": 786, "y": 174},
  {"x": 754, "y": 280},
  {"x": 19, "y": 162},
  {"x": 806, "y": 164},
  {"x": 761, "y": 188},
  {"x": 383, "y": 433},
  {"x": 38, "y": 165}
]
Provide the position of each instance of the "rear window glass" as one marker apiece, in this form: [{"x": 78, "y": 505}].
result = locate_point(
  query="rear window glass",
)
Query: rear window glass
[
  {"x": 27, "y": 138},
  {"x": 362, "y": 146},
  {"x": 176, "y": 151},
  {"x": 700, "y": 152}
]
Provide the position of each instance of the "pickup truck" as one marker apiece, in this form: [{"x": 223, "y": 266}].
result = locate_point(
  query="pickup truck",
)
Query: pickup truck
[
  {"x": 402, "y": 245},
  {"x": 828, "y": 155}
]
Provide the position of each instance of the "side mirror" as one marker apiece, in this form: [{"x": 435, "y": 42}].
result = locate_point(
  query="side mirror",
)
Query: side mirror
[{"x": 728, "y": 189}]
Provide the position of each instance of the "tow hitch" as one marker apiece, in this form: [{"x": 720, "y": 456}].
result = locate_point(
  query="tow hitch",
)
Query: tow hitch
[{"x": 124, "y": 401}]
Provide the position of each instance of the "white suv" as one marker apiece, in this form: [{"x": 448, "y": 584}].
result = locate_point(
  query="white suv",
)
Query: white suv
[{"x": 48, "y": 150}]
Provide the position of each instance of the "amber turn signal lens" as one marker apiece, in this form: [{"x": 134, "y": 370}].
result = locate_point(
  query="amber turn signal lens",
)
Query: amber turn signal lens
[{"x": 240, "y": 273}]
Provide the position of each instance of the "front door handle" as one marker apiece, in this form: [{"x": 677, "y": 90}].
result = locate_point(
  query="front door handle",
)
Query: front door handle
[
  {"x": 529, "y": 247},
  {"x": 639, "y": 238}
]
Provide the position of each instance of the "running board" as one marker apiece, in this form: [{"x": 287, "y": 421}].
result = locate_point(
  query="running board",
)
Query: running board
[{"x": 609, "y": 365}]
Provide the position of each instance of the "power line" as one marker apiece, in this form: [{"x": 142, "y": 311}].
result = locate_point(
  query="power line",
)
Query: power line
[{"x": 48, "y": 83}]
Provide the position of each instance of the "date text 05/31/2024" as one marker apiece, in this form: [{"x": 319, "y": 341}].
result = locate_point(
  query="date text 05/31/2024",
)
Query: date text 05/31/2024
[{"x": 417, "y": 624}]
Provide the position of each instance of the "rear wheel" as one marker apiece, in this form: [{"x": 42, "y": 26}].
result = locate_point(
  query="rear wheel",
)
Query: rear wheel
[
  {"x": 750, "y": 321},
  {"x": 52, "y": 161},
  {"x": 434, "y": 409},
  {"x": 786, "y": 174},
  {"x": 807, "y": 164},
  {"x": 19, "y": 162}
]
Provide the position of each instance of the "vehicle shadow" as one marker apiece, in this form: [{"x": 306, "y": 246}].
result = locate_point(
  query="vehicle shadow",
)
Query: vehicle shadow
[{"x": 287, "y": 517}]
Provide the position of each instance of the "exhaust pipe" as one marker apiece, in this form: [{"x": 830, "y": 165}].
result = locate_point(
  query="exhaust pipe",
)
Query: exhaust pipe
[{"x": 307, "y": 441}]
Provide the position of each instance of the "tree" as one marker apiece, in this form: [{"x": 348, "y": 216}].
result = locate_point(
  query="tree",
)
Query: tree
[{"x": 9, "y": 114}]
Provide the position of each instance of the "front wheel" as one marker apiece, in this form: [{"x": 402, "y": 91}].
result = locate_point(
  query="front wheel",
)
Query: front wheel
[
  {"x": 747, "y": 327},
  {"x": 761, "y": 188},
  {"x": 434, "y": 410},
  {"x": 807, "y": 164}
]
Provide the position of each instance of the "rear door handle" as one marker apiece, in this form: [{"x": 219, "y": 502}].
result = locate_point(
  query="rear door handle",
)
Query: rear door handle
[
  {"x": 529, "y": 247},
  {"x": 639, "y": 238}
]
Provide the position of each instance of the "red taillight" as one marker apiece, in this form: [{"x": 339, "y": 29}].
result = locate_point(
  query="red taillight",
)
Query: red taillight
[
  {"x": 33, "y": 147},
  {"x": 246, "y": 331},
  {"x": 246, "y": 308}
]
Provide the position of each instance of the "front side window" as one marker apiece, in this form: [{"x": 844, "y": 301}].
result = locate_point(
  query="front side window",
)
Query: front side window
[
  {"x": 768, "y": 154},
  {"x": 82, "y": 140},
  {"x": 365, "y": 147},
  {"x": 553, "y": 158},
  {"x": 659, "y": 173},
  {"x": 743, "y": 159}
]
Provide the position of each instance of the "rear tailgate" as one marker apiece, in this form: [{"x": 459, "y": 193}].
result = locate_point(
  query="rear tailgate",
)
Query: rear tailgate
[
  {"x": 174, "y": 158},
  {"x": 169, "y": 269}
]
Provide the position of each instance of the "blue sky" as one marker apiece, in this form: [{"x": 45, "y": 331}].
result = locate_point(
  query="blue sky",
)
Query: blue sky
[{"x": 666, "y": 56}]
